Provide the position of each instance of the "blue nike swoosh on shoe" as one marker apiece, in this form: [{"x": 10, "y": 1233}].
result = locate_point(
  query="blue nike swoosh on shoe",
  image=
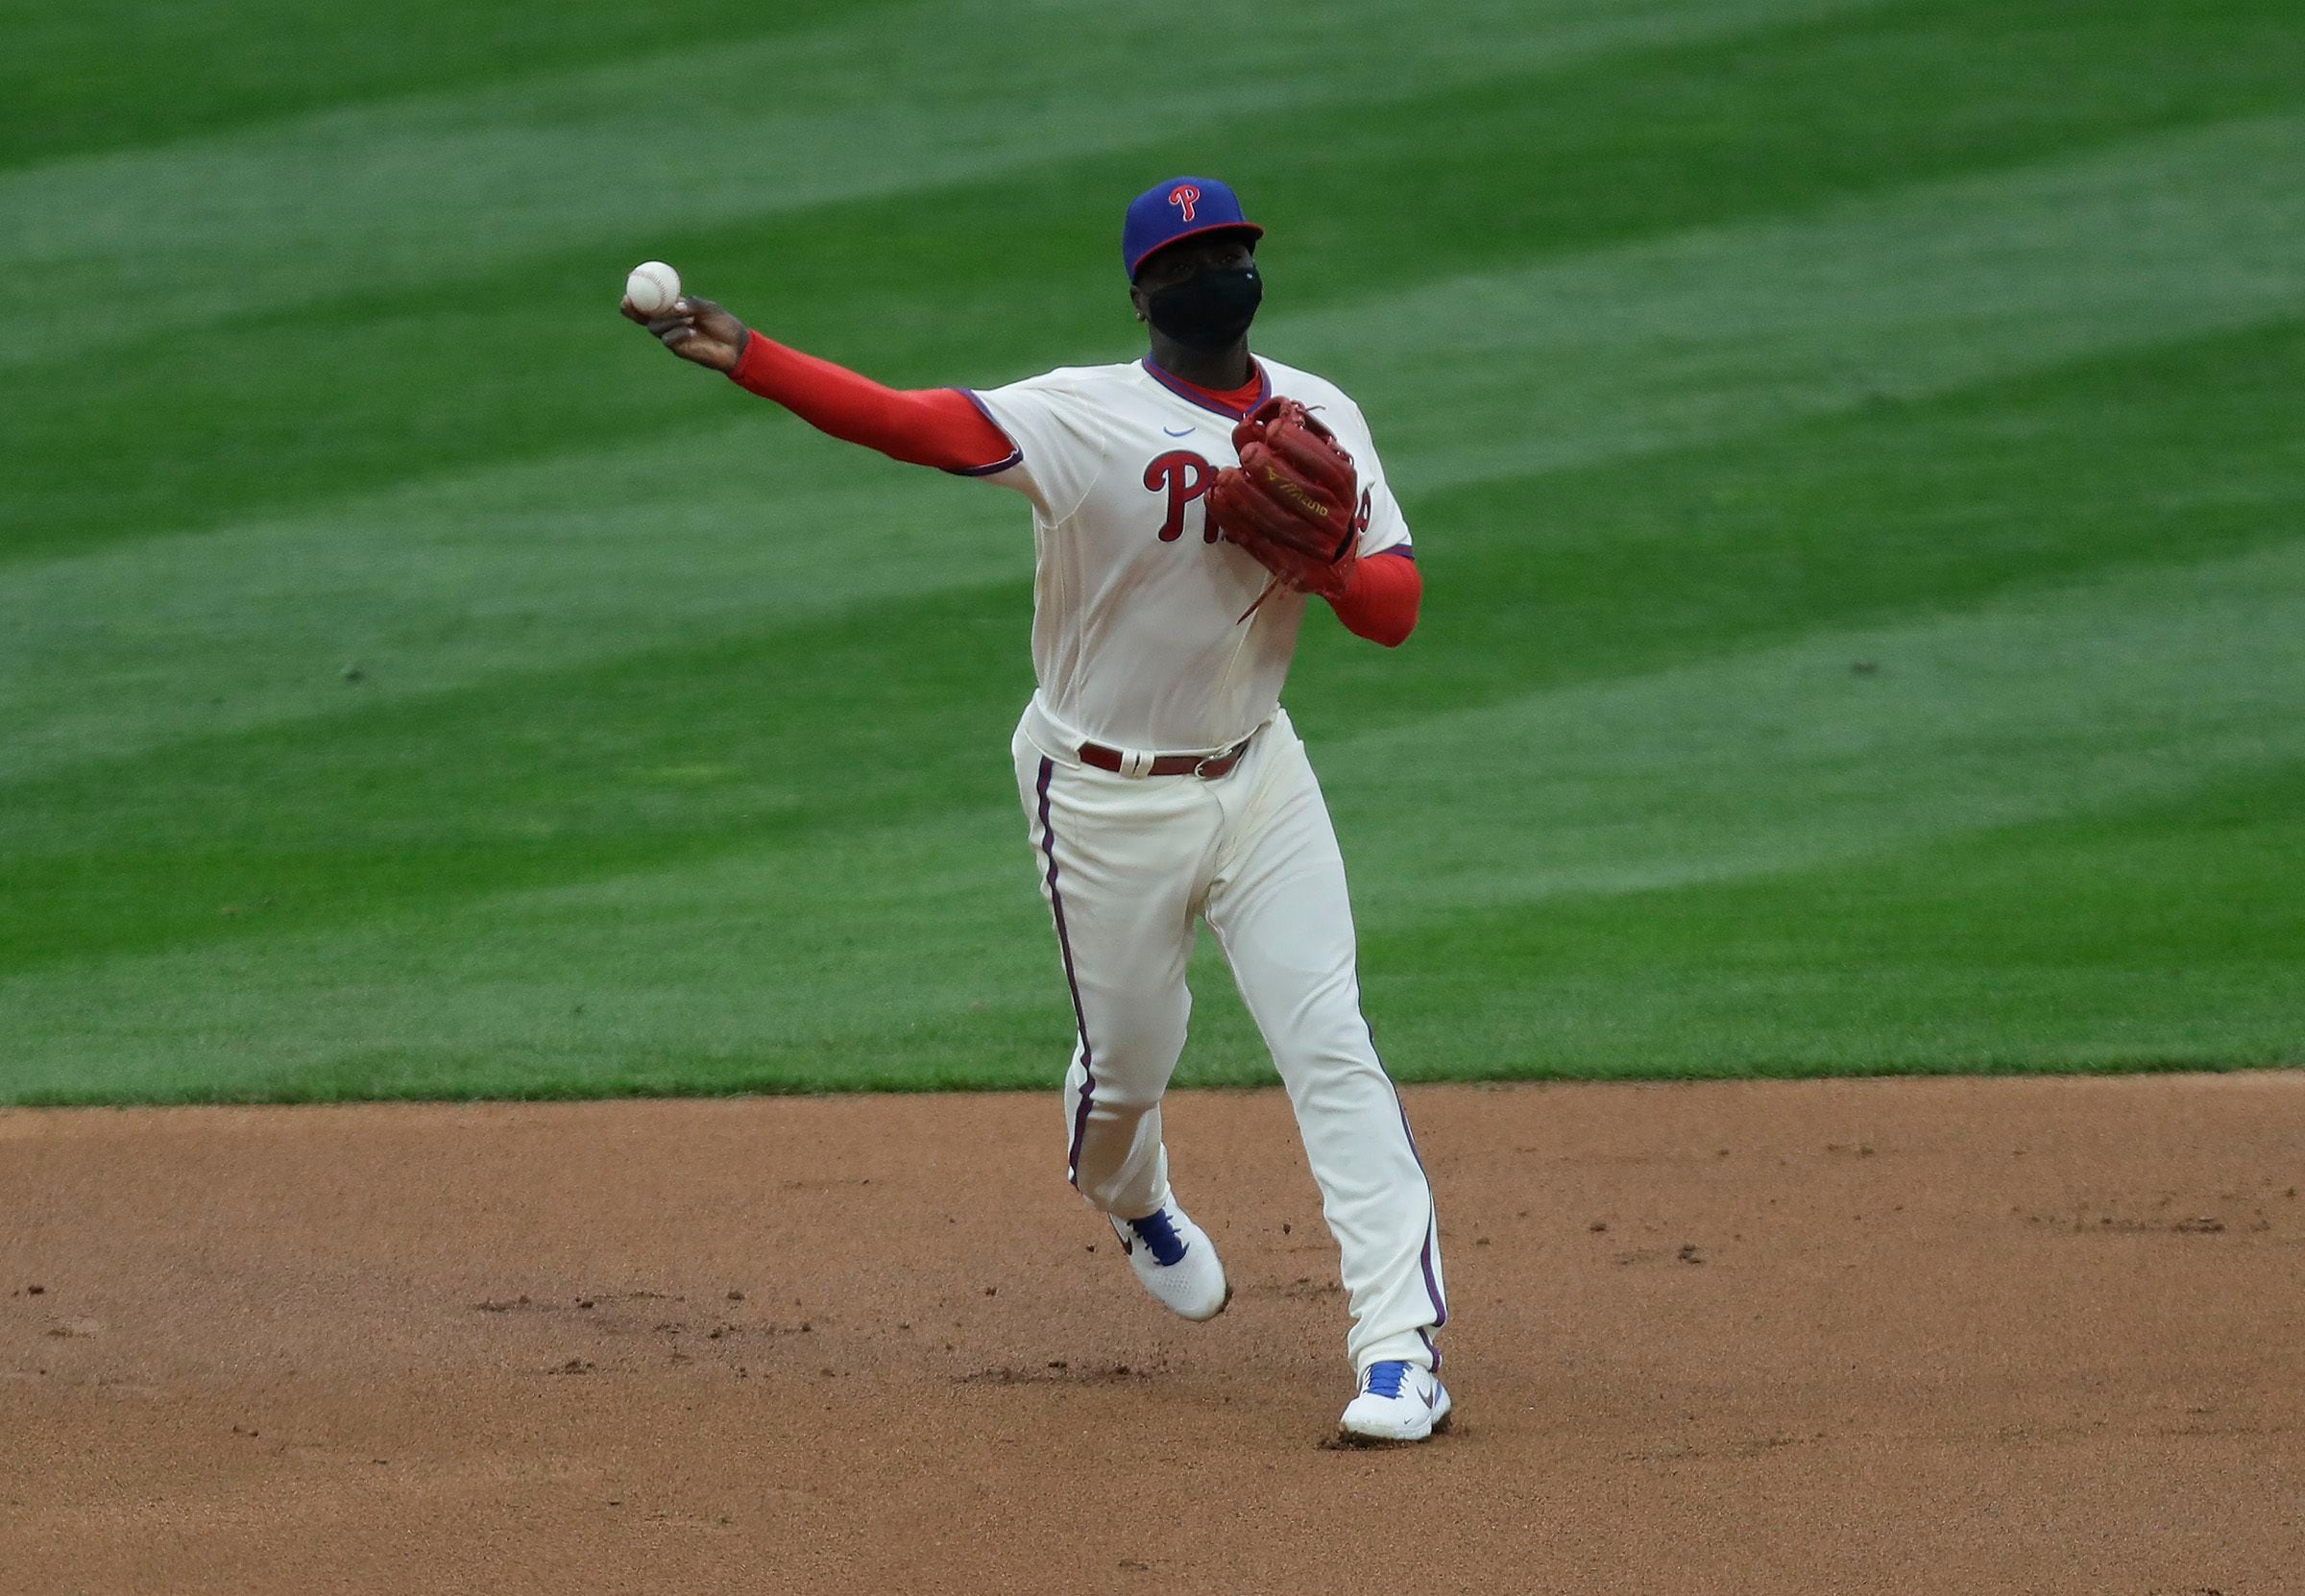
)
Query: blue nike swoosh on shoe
[{"x": 1186, "y": 433}]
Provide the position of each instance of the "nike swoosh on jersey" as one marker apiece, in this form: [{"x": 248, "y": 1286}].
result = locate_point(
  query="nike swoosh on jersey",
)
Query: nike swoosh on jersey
[{"x": 1185, "y": 432}]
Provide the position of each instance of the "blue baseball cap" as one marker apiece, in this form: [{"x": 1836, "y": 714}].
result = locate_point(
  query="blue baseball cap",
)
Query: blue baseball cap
[{"x": 1179, "y": 208}]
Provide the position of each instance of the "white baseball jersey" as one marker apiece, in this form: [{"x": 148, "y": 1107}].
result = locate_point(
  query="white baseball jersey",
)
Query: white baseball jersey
[
  {"x": 1138, "y": 636},
  {"x": 1139, "y": 642}
]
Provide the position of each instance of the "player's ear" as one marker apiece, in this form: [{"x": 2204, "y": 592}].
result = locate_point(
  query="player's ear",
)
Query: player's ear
[{"x": 1136, "y": 297}]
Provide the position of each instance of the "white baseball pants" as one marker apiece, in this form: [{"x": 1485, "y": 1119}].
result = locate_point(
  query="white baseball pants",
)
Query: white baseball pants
[{"x": 1128, "y": 866}]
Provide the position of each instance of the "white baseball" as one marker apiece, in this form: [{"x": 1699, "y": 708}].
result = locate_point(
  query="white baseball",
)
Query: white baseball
[{"x": 652, "y": 287}]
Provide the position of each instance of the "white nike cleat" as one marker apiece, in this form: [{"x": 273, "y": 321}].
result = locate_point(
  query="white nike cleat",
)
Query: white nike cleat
[
  {"x": 1398, "y": 1402},
  {"x": 1175, "y": 1259}
]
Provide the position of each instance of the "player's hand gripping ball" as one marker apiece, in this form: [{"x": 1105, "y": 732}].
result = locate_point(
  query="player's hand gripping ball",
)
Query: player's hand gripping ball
[
  {"x": 1290, "y": 501},
  {"x": 692, "y": 329},
  {"x": 651, "y": 287}
]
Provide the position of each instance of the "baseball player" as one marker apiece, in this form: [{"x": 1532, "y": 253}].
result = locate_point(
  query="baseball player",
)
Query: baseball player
[{"x": 1184, "y": 508}]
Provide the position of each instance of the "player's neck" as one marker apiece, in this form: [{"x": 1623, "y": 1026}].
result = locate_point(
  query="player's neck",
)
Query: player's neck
[{"x": 1221, "y": 370}]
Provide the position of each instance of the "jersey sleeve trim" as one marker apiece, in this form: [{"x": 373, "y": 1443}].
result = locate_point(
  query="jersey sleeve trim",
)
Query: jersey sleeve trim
[
  {"x": 1016, "y": 455},
  {"x": 1402, "y": 547}
]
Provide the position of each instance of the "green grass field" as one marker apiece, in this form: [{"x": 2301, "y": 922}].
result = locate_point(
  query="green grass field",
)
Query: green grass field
[{"x": 1853, "y": 448}]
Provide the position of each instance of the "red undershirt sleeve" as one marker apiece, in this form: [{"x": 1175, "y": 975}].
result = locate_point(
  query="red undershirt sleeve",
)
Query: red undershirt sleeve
[
  {"x": 922, "y": 426},
  {"x": 1381, "y": 604}
]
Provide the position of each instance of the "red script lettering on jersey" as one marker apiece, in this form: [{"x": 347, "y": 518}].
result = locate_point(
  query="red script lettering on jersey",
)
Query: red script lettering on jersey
[{"x": 1185, "y": 476}]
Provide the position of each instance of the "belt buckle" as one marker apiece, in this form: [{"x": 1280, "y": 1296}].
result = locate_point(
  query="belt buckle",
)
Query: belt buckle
[
  {"x": 1226, "y": 756},
  {"x": 1200, "y": 766}
]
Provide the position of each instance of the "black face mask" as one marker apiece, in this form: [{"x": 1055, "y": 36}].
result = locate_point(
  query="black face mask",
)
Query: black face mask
[{"x": 1209, "y": 310}]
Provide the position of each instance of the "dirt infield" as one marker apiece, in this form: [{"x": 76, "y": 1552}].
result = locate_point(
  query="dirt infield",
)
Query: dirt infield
[{"x": 1888, "y": 1336}]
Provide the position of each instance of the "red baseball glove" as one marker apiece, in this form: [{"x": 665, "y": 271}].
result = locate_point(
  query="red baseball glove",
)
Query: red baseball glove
[{"x": 1290, "y": 501}]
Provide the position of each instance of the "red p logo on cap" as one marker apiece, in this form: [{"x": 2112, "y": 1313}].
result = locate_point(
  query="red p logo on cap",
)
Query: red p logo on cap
[{"x": 1175, "y": 207}]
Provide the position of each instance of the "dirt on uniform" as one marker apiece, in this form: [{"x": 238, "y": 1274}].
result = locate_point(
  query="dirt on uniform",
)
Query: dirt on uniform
[{"x": 1926, "y": 1335}]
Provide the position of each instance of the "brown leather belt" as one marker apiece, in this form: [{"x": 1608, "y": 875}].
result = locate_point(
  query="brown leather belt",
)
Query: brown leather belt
[{"x": 1207, "y": 766}]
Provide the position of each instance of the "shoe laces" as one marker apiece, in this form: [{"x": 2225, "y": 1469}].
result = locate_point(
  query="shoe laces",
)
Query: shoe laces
[
  {"x": 1386, "y": 1379},
  {"x": 1158, "y": 1232}
]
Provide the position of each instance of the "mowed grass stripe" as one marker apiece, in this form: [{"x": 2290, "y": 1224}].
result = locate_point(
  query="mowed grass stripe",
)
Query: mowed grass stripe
[
  {"x": 1737, "y": 329},
  {"x": 761, "y": 956},
  {"x": 106, "y": 75},
  {"x": 375, "y": 196},
  {"x": 1772, "y": 121},
  {"x": 2129, "y": 685},
  {"x": 527, "y": 779},
  {"x": 751, "y": 525},
  {"x": 1893, "y": 510},
  {"x": 2159, "y": 934},
  {"x": 1717, "y": 331},
  {"x": 2133, "y": 690},
  {"x": 273, "y": 406}
]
